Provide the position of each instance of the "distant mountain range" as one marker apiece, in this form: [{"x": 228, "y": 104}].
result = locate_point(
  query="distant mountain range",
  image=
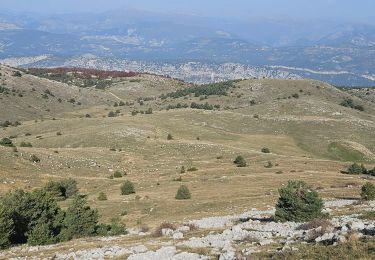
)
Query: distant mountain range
[{"x": 342, "y": 54}]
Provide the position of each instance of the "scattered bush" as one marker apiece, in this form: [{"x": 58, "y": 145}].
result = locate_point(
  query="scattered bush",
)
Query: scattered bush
[
  {"x": 112, "y": 114},
  {"x": 350, "y": 103},
  {"x": 265, "y": 150},
  {"x": 102, "y": 196},
  {"x": 219, "y": 89},
  {"x": 298, "y": 202},
  {"x": 127, "y": 188},
  {"x": 183, "y": 193},
  {"x": 268, "y": 165},
  {"x": 25, "y": 144},
  {"x": 368, "y": 191},
  {"x": 6, "y": 142},
  {"x": 356, "y": 169},
  {"x": 182, "y": 169},
  {"x": 118, "y": 174},
  {"x": 164, "y": 225},
  {"x": 34, "y": 158},
  {"x": 192, "y": 169},
  {"x": 169, "y": 137},
  {"x": 240, "y": 161}
]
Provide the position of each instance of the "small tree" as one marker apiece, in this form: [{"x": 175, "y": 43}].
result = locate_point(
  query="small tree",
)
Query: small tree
[
  {"x": 112, "y": 114},
  {"x": 183, "y": 193},
  {"x": 368, "y": 191},
  {"x": 6, "y": 228},
  {"x": 127, "y": 188},
  {"x": 80, "y": 220},
  {"x": 240, "y": 161},
  {"x": 298, "y": 202},
  {"x": 169, "y": 137},
  {"x": 265, "y": 150}
]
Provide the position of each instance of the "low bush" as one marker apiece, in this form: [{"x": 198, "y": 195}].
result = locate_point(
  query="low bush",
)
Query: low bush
[
  {"x": 118, "y": 174},
  {"x": 165, "y": 225},
  {"x": 368, "y": 191},
  {"x": 25, "y": 144},
  {"x": 356, "y": 169},
  {"x": 127, "y": 188},
  {"x": 183, "y": 193},
  {"x": 34, "y": 158},
  {"x": 6, "y": 142},
  {"x": 240, "y": 161},
  {"x": 265, "y": 150},
  {"x": 102, "y": 196}
]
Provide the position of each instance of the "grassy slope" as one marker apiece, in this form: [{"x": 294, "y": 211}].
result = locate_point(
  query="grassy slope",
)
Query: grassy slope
[{"x": 299, "y": 132}]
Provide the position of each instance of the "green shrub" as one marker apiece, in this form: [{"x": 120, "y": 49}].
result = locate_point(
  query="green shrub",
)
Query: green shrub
[
  {"x": 6, "y": 142},
  {"x": 183, "y": 193},
  {"x": 356, "y": 169},
  {"x": 127, "y": 188},
  {"x": 240, "y": 161},
  {"x": 169, "y": 137},
  {"x": 368, "y": 191},
  {"x": 265, "y": 150},
  {"x": 102, "y": 196},
  {"x": 117, "y": 174},
  {"x": 112, "y": 114},
  {"x": 298, "y": 202},
  {"x": 182, "y": 169}
]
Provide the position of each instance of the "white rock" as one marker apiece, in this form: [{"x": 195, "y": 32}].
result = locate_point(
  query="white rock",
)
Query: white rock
[{"x": 178, "y": 235}]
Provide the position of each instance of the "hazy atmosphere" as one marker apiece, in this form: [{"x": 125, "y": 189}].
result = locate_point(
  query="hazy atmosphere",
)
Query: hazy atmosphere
[
  {"x": 345, "y": 10},
  {"x": 187, "y": 130}
]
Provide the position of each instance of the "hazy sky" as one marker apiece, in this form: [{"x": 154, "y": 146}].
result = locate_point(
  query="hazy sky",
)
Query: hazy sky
[{"x": 354, "y": 10}]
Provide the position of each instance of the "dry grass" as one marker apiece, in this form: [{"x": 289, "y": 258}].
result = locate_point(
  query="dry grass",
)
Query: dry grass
[{"x": 165, "y": 225}]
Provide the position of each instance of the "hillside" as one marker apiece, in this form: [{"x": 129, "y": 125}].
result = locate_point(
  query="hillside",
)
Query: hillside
[{"x": 310, "y": 134}]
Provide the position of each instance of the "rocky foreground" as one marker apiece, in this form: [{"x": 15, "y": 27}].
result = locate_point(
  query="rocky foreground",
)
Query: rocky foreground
[{"x": 228, "y": 237}]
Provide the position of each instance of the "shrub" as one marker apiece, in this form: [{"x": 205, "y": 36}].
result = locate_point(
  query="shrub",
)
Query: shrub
[
  {"x": 169, "y": 137},
  {"x": 298, "y": 202},
  {"x": 265, "y": 150},
  {"x": 268, "y": 165},
  {"x": 183, "y": 193},
  {"x": 26, "y": 144},
  {"x": 117, "y": 174},
  {"x": 112, "y": 114},
  {"x": 356, "y": 169},
  {"x": 192, "y": 169},
  {"x": 6, "y": 142},
  {"x": 240, "y": 161},
  {"x": 102, "y": 196},
  {"x": 127, "y": 188},
  {"x": 182, "y": 169},
  {"x": 164, "y": 225},
  {"x": 368, "y": 191},
  {"x": 34, "y": 158}
]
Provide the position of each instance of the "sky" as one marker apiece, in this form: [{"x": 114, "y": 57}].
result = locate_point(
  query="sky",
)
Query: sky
[{"x": 343, "y": 10}]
